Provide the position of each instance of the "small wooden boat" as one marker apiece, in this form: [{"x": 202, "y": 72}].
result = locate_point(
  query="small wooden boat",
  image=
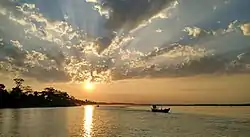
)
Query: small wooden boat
[{"x": 155, "y": 109}]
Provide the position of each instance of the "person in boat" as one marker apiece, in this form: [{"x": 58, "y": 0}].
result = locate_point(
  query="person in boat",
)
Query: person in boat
[{"x": 155, "y": 109}]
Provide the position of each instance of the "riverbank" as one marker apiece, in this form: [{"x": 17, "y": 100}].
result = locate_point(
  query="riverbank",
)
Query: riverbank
[{"x": 22, "y": 96}]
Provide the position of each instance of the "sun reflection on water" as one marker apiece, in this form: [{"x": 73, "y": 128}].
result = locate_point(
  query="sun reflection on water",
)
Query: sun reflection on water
[{"x": 88, "y": 117}]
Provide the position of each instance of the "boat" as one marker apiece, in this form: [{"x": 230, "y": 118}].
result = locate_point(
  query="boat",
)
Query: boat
[{"x": 155, "y": 109}]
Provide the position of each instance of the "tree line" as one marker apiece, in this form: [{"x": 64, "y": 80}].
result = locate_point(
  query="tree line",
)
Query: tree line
[{"x": 21, "y": 96}]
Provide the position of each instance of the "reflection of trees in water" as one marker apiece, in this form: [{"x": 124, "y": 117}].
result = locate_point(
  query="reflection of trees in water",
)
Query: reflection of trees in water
[
  {"x": 24, "y": 96},
  {"x": 16, "y": 119},
  {"x": 5, "y": 123}
]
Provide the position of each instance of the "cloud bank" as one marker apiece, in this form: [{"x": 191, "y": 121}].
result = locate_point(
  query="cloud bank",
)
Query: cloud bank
[
  {"x": 245, "y": 29},
  {"x": 149, "y": 39}
]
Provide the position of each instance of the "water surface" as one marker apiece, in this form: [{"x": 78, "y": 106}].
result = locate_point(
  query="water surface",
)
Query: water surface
[{"x": 113, "y": 121}]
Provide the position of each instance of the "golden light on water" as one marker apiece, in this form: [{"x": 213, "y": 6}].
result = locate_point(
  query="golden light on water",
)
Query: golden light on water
[{"x": 88, "y": 117}]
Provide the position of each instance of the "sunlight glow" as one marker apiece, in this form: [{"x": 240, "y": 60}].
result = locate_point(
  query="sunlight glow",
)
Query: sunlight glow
[
  {"x": 88, "y": 117},
  {"x": 89, "y": 86}
]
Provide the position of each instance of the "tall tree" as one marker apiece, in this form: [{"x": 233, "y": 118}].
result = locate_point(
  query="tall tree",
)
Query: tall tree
[{"x": 19, "y": 82}]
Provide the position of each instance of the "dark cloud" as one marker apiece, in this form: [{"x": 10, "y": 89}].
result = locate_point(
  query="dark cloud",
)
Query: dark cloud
[{"x": 129, "y": 13}]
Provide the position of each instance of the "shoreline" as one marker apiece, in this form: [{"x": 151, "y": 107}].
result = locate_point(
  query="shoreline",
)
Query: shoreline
[{"x": 134, "y": 104}]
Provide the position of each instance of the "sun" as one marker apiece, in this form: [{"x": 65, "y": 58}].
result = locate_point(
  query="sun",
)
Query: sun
[{"x": 89, "y": 86}]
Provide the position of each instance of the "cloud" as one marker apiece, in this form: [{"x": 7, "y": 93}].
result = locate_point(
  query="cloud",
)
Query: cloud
[
  {"x": 204, "y": 65},
  {"x": 34, "y": 64},
  {"x": 159, "y": 30},
  {"x": 16, "y": 44},
  {"x": 195, "y": 32},
  {"x": 165, "y": 13},
  {"x": 93, "y": 1},
  {"x": 232, "y": 27},
  {"x": 245, "y": 29},
  {"x": 31, "y": 45},
  {"x": 129, "y": 13}
]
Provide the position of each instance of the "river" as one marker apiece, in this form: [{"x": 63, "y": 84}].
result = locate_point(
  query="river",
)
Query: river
[{"x": 125, "y": 121}]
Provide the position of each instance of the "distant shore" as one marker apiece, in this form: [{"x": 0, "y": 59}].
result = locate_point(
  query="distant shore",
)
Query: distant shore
[
  {"x": 138, "y": 104},
  {"x": 129, "y": 104}
]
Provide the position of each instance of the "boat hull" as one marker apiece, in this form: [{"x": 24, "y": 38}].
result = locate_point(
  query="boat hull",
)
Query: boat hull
[{"x": 161, "y": 110}]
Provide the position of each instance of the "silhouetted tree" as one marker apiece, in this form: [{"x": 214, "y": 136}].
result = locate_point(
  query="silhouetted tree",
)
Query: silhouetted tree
[
  {"x": 3, "y": 96},
  {"x": 24, "y": 96},
  {"x": 2, "y": 87},
  {"x": 19, "y": 82}
]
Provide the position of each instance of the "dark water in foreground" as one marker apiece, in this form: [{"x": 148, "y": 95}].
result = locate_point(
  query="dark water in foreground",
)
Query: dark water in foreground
[{"x": 113, "y": 121}]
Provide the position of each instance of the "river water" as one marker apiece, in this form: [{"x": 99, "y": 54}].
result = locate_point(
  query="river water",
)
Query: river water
[{"x": 124, "y": 121}]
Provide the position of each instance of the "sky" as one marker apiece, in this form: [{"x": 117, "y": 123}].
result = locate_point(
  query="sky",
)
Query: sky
[{"x": 155, "y": 51}]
